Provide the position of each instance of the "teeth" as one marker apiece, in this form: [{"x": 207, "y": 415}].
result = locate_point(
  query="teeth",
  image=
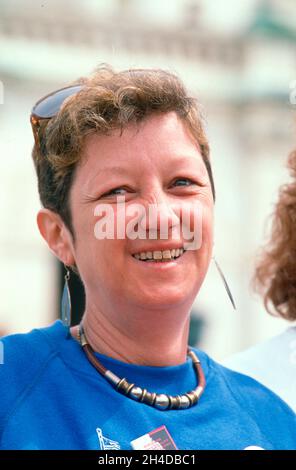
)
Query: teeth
[
  {"x": 166, "y": 254},
  {"x": 159, "y": 255}
]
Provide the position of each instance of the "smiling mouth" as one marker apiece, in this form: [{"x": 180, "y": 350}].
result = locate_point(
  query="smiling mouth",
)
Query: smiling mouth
[{"x": 160, "y": 256}]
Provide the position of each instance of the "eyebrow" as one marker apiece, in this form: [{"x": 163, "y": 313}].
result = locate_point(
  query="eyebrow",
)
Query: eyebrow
[
  {"x": 126, "y": 171},
  {"x": 112, "y": 169}
]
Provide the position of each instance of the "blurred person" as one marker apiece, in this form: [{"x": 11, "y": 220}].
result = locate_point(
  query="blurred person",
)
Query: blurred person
[
  {"x": 126, "y": 374},
  {"x": 273, "y": 362}
]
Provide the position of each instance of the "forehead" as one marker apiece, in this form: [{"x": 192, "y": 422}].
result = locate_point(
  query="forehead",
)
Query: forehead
[{"x": 159, "y": 140}]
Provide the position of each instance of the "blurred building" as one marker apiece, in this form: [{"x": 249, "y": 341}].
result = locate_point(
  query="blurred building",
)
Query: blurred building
[{"x": 239, "y": 60}]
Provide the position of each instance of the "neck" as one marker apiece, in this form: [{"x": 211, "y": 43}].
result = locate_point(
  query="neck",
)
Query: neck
[{"x": 160, "y": 341}]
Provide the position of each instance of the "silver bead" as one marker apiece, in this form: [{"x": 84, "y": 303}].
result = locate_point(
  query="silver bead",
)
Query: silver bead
[
  {"x": 193, "y": 398},
  {"x": 112, "y": 377},
  {"x": 185, "y": 403},
  {"x": 136, "y": 393},
  {"x": 162, "y": 401},
  {"x": 198, "y": 391}
]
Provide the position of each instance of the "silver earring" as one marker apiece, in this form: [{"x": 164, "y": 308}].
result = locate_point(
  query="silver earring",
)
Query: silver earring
[
  {"x": 66, "y": 301},
  {"x": 225, "y": 283}
]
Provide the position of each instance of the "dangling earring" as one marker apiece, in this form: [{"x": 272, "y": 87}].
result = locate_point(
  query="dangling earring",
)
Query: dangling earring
[
  {"x": 66, "y": 301},
  {"x": 225, "y": 283}
]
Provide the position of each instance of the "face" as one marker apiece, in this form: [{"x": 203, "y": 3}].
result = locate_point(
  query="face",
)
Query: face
[{"x": 156, "y": 164}]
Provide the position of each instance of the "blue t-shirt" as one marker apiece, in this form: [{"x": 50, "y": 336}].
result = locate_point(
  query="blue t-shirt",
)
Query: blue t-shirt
[{"x": 53, "y": 398}]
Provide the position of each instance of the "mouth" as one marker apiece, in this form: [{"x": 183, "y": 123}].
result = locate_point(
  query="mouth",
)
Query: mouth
[{"x": 160, "y": 257}]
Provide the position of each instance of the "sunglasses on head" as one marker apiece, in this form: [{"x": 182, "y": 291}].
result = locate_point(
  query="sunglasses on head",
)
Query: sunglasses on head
[{"x": 48, "y": 107}]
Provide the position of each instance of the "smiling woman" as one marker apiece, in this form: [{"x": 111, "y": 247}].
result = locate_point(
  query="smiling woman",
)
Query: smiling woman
[{"x": 120, "y": 143}]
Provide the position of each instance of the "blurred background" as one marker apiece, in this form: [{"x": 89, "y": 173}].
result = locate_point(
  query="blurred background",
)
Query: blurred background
[{"x": 237, "y": 58}]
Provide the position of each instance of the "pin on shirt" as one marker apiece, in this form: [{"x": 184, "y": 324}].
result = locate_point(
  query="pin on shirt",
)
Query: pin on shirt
[{"x": 158, "y": 439}]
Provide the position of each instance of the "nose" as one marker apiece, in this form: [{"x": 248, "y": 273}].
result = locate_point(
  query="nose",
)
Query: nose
[{"x": 160, "y": 218}]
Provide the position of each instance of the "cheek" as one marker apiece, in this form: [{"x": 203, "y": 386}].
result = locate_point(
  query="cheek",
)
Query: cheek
[
  {"x": 200, "y": 225},
  {"x": 207, "y": 225},
  {"x": 204, "y": 253},
  {"x": 205, "y": 237},
  {"x": 107, "y": 256},
  {"x": 102, "y": 263},
  {"x": 207, "y": 233}
]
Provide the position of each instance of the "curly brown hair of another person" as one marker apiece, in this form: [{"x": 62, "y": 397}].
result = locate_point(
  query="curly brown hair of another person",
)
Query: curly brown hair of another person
[{"x": 275, "y": 275}]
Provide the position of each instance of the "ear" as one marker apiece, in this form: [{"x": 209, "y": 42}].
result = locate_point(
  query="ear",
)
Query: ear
[{"x": 56, "y": 235}]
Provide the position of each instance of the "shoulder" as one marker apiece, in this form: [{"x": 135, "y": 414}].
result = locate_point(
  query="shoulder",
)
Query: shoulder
[
  {"x": 272, "y": 363},
  {"x": 246, "y": 391},
  {"x": 259, "y": 401},
  {"x": 24, "y": 357},
  {"x": 20, "y": 349}
]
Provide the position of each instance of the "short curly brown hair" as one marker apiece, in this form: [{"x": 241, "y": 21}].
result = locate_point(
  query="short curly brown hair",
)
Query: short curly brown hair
[
  {"x": 275, "y": 276},
  {"x": 109, "y": 100}
]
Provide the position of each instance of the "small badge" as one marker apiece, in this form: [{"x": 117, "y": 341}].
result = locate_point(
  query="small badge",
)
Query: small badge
[
  {"x": 253, "y": 448},
  {"x": 106, "y": 443},
  {"x": 159, "y": 439}
]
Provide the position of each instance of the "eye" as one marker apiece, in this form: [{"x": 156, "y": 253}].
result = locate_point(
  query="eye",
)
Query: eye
[
  {"x": 113, "y": 191},
  {"x": 186, "y": 180}
]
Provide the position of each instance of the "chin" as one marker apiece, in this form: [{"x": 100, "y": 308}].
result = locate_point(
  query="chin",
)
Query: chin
[{"x": 164, "y": 297}]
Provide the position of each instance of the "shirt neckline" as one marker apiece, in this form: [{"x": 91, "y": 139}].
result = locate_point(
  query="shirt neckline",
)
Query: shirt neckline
[{"x": 165, "y": 379}]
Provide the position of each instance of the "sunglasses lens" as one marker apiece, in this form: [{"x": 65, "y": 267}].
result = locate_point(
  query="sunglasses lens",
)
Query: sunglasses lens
[{"x": 50, "y": 105}]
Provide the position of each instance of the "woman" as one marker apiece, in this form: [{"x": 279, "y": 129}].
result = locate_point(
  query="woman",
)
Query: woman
[
  {"x": 126, "y": 379},
  {"x": 276, "y": 280}
]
